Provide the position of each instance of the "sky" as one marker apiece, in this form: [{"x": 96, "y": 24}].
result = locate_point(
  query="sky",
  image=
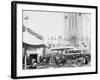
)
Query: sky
[
  {"x": 50, "y": 24},
  {"x": 44, "y": 23}
]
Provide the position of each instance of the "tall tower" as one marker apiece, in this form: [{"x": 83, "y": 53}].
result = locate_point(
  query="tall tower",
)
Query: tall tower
[
  {"x": 77, "y": 28},
  {"x": 73, "y": 27}
]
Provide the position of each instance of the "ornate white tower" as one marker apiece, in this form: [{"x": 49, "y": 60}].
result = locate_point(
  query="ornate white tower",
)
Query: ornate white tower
[{"x": 76, "y": 27}]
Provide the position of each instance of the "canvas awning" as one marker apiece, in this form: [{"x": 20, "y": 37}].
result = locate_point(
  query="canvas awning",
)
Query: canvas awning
[{"x": 30, "y": 39}]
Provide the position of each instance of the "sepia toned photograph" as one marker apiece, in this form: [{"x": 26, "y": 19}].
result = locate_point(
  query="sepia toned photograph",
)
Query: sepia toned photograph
[
  {"x": 56, "y": 39},
  {"x": 53, "y": 40}
]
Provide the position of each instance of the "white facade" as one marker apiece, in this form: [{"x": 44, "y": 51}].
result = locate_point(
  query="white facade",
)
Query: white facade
[{"x": 78, "y": 25}]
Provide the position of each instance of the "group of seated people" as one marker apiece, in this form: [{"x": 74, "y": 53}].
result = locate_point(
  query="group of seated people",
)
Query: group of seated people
[
  {"x": 59, "y": 60},
  {"x": 44, "y": 60}
]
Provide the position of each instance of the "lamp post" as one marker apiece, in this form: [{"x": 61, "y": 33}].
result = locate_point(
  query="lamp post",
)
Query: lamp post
[{"x": 26, "y": 18}]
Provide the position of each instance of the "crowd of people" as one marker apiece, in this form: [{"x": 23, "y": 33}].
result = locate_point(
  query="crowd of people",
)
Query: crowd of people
[{"x": 61, "y": 60}]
